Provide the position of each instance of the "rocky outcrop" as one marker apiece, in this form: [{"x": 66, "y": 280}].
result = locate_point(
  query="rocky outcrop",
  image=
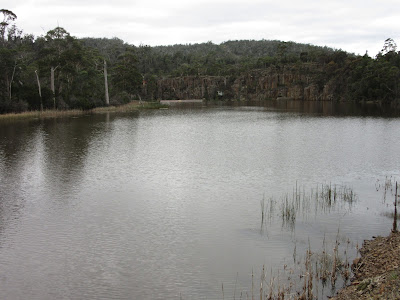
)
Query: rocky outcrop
[
  {"x": 191, "y": 87},
  {"x": 297, "y": 82}
]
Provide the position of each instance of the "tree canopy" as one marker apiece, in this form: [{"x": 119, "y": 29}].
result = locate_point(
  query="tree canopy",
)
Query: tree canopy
[{"x": 71, "y": 70}]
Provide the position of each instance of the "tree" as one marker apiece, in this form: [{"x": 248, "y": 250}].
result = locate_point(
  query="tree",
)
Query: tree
[
  {"x": 40, "y": 90},
  {"x": 62, "y": 56},
  {"x": 14, "y": 54},
  {"x": 126, "y": 77},
  {"x": 57, "y": 39},
  {"x": 8, "y": 16},
  {"x": 107, "y": 96},
  {"x": 282, "y": 51},
  {"x": 389, "y": 46}
]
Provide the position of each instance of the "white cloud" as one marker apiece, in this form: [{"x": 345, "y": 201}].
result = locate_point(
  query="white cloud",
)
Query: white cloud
[{"x": 354, "y": 26}]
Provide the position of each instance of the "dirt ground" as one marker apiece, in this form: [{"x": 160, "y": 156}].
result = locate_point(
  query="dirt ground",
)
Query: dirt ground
[{"x": 377, "y": 272}]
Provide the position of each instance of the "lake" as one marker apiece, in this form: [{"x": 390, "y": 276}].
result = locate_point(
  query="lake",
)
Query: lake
[{"x": 190, "y": 202}]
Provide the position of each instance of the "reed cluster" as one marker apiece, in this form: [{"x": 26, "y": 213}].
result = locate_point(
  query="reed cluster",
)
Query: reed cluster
[
  {"x": 323, "y": 198},
  {"x": 41, "y": 114},
  {"x": 302, "y": 280},
  {"x": 321, "y": 268},
  {"x": 53, "y": 113}
]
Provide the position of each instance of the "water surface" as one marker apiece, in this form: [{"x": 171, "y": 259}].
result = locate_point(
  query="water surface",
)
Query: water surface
[{"x": 166, "y": 203}]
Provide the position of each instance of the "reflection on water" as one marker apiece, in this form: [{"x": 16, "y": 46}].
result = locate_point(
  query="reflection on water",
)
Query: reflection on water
[
  {"x": 166, "y": 203},
  {"x": 327, "y": 108}
]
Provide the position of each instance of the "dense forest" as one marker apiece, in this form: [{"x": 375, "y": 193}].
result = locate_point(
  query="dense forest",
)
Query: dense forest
[{"x": 60, "y": 71}]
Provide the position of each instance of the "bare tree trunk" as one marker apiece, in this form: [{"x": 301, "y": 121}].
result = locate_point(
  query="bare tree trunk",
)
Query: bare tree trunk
[
  {"x": 8, "y": 85},
  {"x": 12, "y": 79},
  {"x": 106, "y": 84},
  {"x": 40, "y": 90},
  {"x": 52, "y": 86}
]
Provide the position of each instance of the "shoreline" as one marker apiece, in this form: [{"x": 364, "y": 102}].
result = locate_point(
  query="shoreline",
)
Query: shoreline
[
  {"x": 51, "y": 113},
  {"x": 376, "y": 272}
]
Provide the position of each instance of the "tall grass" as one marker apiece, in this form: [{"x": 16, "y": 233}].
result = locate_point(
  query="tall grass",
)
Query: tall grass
[
  {"x": 395, "y": 212},
  {"x": 322, "y": 199},
  {"x": 41, "y": 114},
  {"x": 320, "y": 268},
  {"x": 326, "y": 268},
  {"x": 52, "y": 113},
  {"x": 303, "y": 280},
  {"x": 390, "y": 188}
]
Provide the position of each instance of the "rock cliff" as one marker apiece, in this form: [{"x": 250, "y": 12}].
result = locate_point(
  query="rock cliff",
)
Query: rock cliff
[{"x": 297, "y": 82}]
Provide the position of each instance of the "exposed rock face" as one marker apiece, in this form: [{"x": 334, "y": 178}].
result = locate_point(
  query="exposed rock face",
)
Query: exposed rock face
[
  {"x": 303, "y": 82},
  {"x": 191, "y": 87}
]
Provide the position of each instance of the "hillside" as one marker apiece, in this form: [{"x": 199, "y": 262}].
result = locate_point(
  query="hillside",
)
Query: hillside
[{"x": 60, "y": 71}]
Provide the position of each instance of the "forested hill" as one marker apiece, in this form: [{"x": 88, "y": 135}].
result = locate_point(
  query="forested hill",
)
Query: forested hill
[
  {"x": 60, "y": 71},
  {"x": 244, "y": 48},
  {"x": 212, "y": 59}
]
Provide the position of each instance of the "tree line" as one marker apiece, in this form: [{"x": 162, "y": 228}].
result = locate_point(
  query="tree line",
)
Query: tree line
[{"x": 57, "y": 70}]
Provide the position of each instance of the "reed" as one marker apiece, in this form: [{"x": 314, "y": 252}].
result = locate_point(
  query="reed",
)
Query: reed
[
  {"x": 41, "y": 114},
  {"x": 262, "y": 283},
  {"x": 317, "y": 269},
  {"x": 288, "y": 212},
  {"x": 53, "y": 113},
  {"x": 395, "y": 211},
  {"x": 262, "y": 210},
  {"x": 129, "y": 107},
  {"x": 267, "y": 211},
  {"x": 153, "y": 105},
  {"x": 387, "y": 186},
  {"x": 252, "y": 284},
  {"x": 323, "y": 264},
  {"x": 390, "y": 187},
  {"x": 334, "y": 264},
  {"x": 324, "y": 198},
  {"x": 234, "y": 293},
  {"x": 346, "y": 269}
]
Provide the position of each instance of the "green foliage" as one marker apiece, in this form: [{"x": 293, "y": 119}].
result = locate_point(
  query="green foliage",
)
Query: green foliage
[
  {"x": 134, "y": 72},
  {"x": 374, "y": 79},
  {"x": 126, "y": 76}
]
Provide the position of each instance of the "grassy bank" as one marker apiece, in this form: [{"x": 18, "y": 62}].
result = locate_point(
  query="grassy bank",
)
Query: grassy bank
[
  {"x": 29, "y": 115},
  {"x": 40, "y": 114}
]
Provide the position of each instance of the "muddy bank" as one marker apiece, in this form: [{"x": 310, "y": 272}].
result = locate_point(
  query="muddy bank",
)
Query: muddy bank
[{"x": 377, "y": 272}]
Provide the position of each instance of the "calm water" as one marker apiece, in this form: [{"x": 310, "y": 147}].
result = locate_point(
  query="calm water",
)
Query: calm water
[{"x": 165, "y": 204}]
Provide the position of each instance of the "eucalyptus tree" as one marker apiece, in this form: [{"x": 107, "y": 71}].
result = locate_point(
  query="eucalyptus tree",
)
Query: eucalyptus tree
[
  {"x": 56, "y": 44},
  {"x": 389, "y": 46},
  {"x": 8, "y": 17},
  {"x": 110, "y": 51},
  {"x": 92, "y": 82},
  {"x": 13, "y": 59},
  {"x": 62, "y": 54},
  {"x": 21, "y": 47},
  {"x": 125, "y": 75}
]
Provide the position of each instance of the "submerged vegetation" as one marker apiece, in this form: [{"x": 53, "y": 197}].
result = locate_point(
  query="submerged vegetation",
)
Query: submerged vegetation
[
  {"x": 390, "y": 189},
  {"x": 59, "y": 71},
  {"x": 323, "y": 198},
  {"x": 315, "y": 275},
  {"x": 318, "y": 274}
]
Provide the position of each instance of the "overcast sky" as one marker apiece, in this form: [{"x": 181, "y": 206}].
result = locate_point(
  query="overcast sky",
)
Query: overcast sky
[{"x": 351, "y": 25}]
